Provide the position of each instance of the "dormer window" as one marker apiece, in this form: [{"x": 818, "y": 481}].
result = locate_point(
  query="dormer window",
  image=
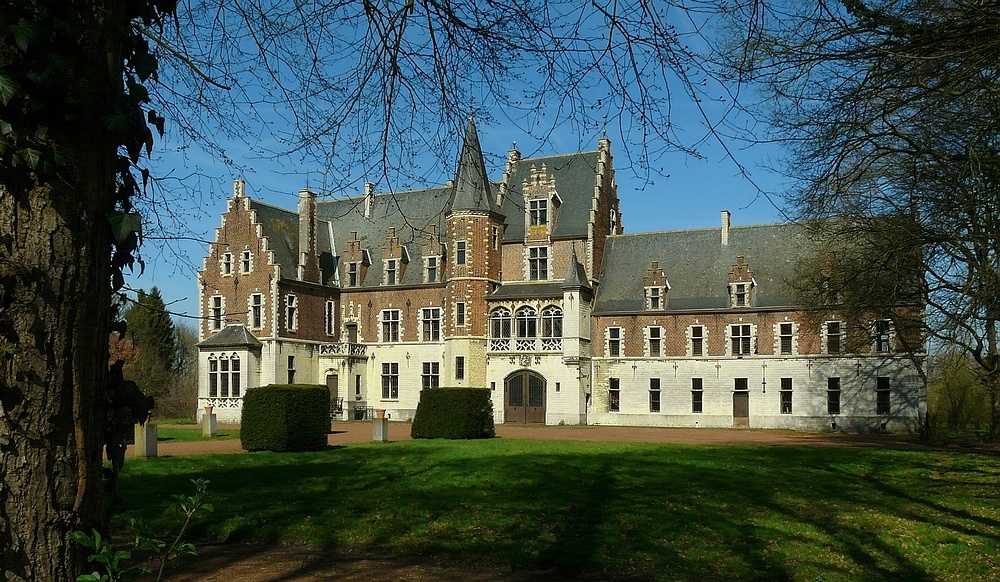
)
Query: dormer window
[
  {"x": 741, "y": 284},
  {"x": 391, "y": 266},
  {"x": 538, "y": 211},
  {"x": 352, "y": 274},
  {"x": 740, "y": 295},
  {"x": 654, "y": 298},
  {"x": 430, "y": 269}
]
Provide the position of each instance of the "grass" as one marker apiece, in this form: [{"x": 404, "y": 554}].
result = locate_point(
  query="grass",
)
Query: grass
[
  {"x": 614, "y": 510},
  {"x": 172, "y": 434}
]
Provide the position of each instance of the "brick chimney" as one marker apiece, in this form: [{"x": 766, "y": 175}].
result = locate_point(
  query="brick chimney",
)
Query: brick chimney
[
  {"x": 308, "y": 260},
  {"x": 726, "y": 222}
]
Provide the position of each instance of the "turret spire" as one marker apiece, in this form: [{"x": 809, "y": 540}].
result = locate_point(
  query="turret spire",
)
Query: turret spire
[{"x": 472, "y": 185}]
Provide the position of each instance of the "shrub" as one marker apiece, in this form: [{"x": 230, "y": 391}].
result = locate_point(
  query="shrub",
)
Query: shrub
[
  {"x": 454, "y": 413},
  {"x": 285, "y": 417}
]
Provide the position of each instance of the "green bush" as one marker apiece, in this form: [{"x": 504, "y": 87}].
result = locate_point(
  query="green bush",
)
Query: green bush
[
  {"x": 285, "y": 417},
  {"x": 454, "y": 413}
]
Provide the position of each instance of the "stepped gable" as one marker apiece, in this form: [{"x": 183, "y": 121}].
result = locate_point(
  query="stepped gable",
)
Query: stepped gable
[
  {"x": 281, "y": 227},
  {"x": 698, "y": 265},
  {"x": 576, "y": 177}
]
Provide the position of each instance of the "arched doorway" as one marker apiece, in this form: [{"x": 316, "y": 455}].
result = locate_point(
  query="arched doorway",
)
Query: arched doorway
[{"x": 524, "y": 398}]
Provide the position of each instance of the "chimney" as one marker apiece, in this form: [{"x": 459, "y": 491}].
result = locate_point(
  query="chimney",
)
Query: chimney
[
  {"x": 725, "y": 227},
  {"x": 239, "y": 188},
  {"x": 307, "y": 228},
  {"x": 369, "y": 199}
]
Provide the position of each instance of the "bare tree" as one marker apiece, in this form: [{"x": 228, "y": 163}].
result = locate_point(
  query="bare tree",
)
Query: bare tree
[{"x": 890, "y": 110}]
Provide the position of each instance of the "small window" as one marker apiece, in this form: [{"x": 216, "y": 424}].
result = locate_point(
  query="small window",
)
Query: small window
[
  {"x": 614, "y": 395},
  {"x": 538, "y": 263},
  {"x": 654, "y": 394},
  {"x": 614, "y": 342},
  {"x": 740, "y": 295},
  {"x": 833, "y": 395},
  {"x": 291, "y": 313},
  {"x": 740, "y": 384},
  {"x": 538, "y": 211},
  {"x": 882, "y": 395},
  {"x": 742, "y": 340},
  {"x": 224, "y": 377},
  {"x": 786, "y": 396},
  {"x": 459, "y": 367},
  {"x": 655, "y": 342},
  {"x": 654, "y": 298},
  {"x": 833, "y": 337},
  {"x": 256, "y": 310},
  {"x": 495, "y": 240},
  {"x": 431, "y": 324},
  {"x": 331, "y": 317},
  {"x": 390, "y": 272},
  {"x": 883, "y": 336},
  {"x": 234, "y": 375},
  {"x": 216, "y": 316},
  {"x": 291, "y": 369},
  {"x": 697, "y": 394},
  {"x": 390, "y": 381},
  {"x": 785, "y": 339},
  {"x": 227, "y": 263},
  {"x": 352, "y": 274},
  {"x": 460, "y": 315},
  {"x": 697, "y": 341},
  {"x": 390, "y": 325},
  {"x": 431, "y": 377},
  {"x": 213, "y": 377},
  {"x": 431, "y": 273},
  {"x": 246, "y": 262},
  {"x": 460, "y": 252}
]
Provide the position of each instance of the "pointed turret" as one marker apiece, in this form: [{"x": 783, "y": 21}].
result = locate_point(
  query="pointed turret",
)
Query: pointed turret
[
  {"x": 576, "y": 276},
  {"x": 472, "y": 185}
]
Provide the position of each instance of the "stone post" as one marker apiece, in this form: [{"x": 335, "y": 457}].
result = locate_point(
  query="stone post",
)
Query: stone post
[
  {"x": 145, "y": 440},
  {"x": 209, "y": 423},
  {"x": 380, "y": 430}
]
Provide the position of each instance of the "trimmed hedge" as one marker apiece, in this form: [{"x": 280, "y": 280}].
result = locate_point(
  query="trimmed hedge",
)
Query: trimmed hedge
[
  {"x": 454, "y": 413},
  {"x": 285, "y": 417}
]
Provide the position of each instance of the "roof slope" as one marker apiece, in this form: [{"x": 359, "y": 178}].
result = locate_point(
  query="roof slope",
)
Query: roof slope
[
  {"x": 231, "y": 336},
  {"x": 472, "y": 184},
  {"x": 697, "y": 266},
  {"x": 281, "y": 227},
  {"x": 576, "y": 176}
]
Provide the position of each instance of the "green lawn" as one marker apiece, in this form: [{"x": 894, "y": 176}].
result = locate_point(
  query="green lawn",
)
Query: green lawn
[
  {"x": 164, "y": 434},
  {"x": 619, "y": 510}
]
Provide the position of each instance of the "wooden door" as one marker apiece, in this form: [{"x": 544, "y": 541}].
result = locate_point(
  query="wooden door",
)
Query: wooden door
[
  {"x": 741, "y": 408},
  {"x": 524, "y": 398}
]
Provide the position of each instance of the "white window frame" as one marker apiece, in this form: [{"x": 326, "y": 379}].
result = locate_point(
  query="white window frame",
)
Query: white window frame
[
  {"x": 255, "y": 310},
  {"x": 391, "y": 272},
  {"x": 538, "y": 263},
  {"x": 614, "y": 394},
  {"x": 538, "y": 212},
  {"x": 697, "y": 340},
  {"x": 747, "y": 340},
  {"x": 656, "y": 298},
  {"x": 353, "y": 274},
  {"x": 654, "y": 389},
  {"x": 432, "y": 269},
  {"x": 391, "y": 326},
  {"x": 390, "y": 380},
  {"x": 226, "y": 264},
  {"x": 330, "y": 317},
  {"x": 460, "y": 314},
  {"x": 781, "y": 336},
  {"x": 615, "y": 336},
  {"x": 654, "y": 333},
  {"x": 786, "y": 399},
  {"x": 216, "y": 312},
  {"x": 291, "y": 312},
  {"x": 430, "y": 377},
  {"x": 883, "y": 336},
  {"x": 246, "y": 262},
  {"x": 839, "y": 334},
  {"x": 430, "y": 324}
]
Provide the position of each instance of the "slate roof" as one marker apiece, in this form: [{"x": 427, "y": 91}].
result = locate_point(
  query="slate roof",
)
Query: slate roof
[
  {"x": 697, "y": 266},
  {"x": 472, "y": 184},
  {"x": 409, "y": 212},
  {"x": 527, "y": 290},
  {"x": 281, "y": 227},
  {"x": 576, "y": 176},
  {"x": 231, "y": 336}
]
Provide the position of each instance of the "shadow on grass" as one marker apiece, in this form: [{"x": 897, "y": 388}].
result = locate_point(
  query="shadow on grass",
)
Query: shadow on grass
[{"x": 614, "y": 510}]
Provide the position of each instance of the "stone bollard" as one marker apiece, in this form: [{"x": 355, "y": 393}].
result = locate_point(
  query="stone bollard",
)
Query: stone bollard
[
  {"x": 209, "y": 425},
  {"x": 380, "y": 430},
  {"x": 145, "y": 440}
]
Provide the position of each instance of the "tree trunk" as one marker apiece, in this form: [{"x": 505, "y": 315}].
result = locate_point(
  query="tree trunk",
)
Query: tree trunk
[{"x": 55, "y": 304}]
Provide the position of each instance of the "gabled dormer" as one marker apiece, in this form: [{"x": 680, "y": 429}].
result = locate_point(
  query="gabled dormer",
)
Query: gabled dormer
[
  {"x": 394, "y": 259},
  {"x": 741, "y": 284},
  {"x": 356, "y": 261},
  {"x": 432, "y": 252},
  {"x": 656, "y": 286},
  {"x": 541, "y": 204}
]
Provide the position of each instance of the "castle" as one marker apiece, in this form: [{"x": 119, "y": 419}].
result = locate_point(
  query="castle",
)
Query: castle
[{"x": 528, "y": 286}]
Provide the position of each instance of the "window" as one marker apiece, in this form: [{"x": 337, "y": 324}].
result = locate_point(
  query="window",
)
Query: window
[
  {"x": 741, "y": 339},
  {"x": 460, "y": 315},
  {"x": 390, "y": 272},
  {"x": 501, "y": 323},
  {"x": 740, "y": 384},
  {"x": 352, "y": 274},
  {"x": 882, "y": 395},
  {"x": 538, "y": 263},
  {"x": 431, "y": 323},
  {"x": 833, "y": 395},
  {"x": 390, "y": 325},
  {"x": 390, "y": 381},
  {"x": 215, "y": 317},
  {"x": 357, "y": 386},
  {"x": 431, "y": 378},
  {"x": 527, "y": 323},
  {"x": 213, "y": 377},
  {"x": 654, "y": 394},
  {"x": 246, "y": 262},
  {"x": 654, "y": 298},
  {"x": 552, "y": 322},
  {"x": 614, "y": 342},
  {"x": 495, "y": 239},
  {"x": 256, "y": 310},
  {"x": 291, "y": 369},
  {"x": 883, "y": 336},
  {"x": 696, "y": 395},
  {"x": 331, "y": 317},
  {"x": 538, "y": 211},
  {"x": 459, "y": 367},
  {"x": 614, "y": 395},
  {"x": 224, "y": 377},
  {"x": 227, "y": 263},
  {"x": 460, "y": 252},
  {"x": 291, "y": 313},
  {"x": 431, "y": 270},
  {"x": 234, "y": 376},
  {"x": 740, "y": 295},
  {"x": 833, "y": 337},
  {"x": 785, "y": 339},
  {"x": 786, "y": 396},
  {"x": 697, "y": 341},
  {"x": 655, "y": 342}
]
